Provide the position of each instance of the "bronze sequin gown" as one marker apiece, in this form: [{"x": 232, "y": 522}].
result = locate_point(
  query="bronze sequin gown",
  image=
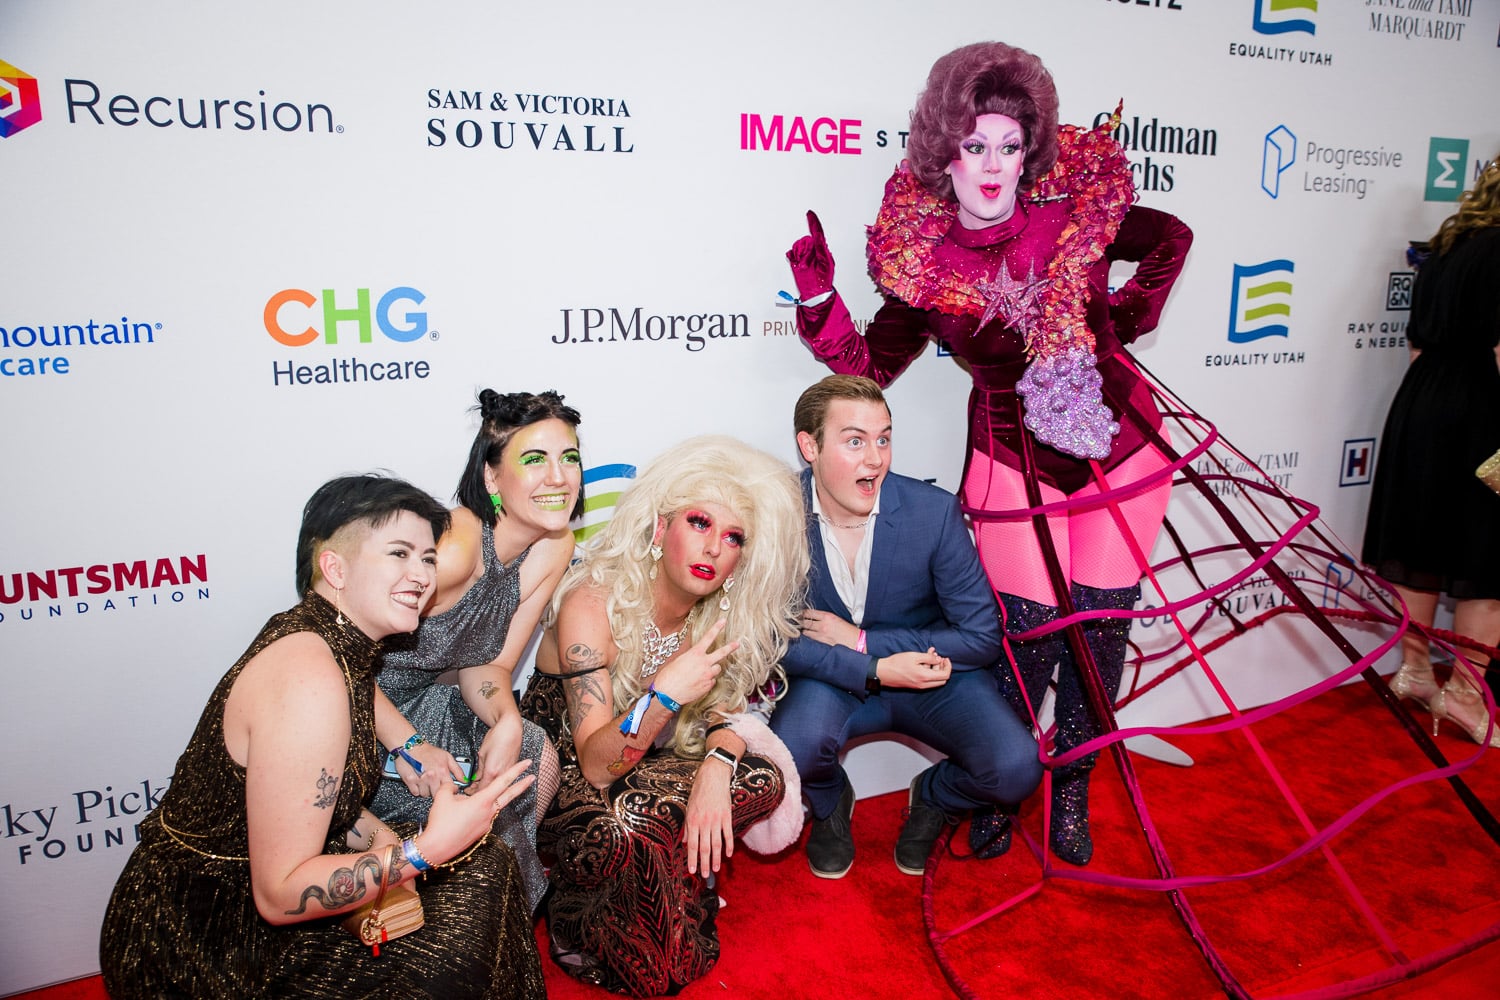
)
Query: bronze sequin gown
[
  {"x": 182, "y": 921},
  {"x": 624, "y": 913}
]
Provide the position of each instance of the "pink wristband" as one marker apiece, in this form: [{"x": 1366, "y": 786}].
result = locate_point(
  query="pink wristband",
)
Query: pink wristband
[{"x": 859, "y": 644}]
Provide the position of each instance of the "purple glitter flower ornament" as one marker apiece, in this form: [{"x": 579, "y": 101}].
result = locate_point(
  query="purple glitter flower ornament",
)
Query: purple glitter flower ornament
[{"x": 1065, "y": 404}]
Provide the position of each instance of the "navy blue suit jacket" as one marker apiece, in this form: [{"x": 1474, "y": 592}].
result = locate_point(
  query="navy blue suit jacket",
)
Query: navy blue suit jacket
[{"x": 926, "y": 589}]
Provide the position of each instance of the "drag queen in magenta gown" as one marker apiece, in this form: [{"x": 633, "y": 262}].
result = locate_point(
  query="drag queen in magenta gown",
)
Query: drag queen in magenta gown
[{"x": 995, "y": 238}]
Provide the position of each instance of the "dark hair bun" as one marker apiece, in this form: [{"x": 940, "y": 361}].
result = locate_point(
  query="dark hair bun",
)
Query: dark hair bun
[{"x": 516, "y": 409}]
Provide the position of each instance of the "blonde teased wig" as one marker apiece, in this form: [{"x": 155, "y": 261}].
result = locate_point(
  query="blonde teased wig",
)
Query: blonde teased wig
[{"x": 769, "y": 582}]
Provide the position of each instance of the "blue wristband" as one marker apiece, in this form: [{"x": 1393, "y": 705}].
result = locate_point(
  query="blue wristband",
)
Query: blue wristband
[
  {"x": 666, "y": 702},
  {"x": 630, "y": 724},
  {"x": 416, "y": 765},
  {"x": 413, "y": 855}
]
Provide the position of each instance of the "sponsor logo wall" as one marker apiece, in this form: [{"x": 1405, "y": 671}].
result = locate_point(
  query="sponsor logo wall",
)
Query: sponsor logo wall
[{"x": 231, "y": 277}]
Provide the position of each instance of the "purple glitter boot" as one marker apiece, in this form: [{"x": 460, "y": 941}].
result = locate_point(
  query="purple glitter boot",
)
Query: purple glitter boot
[
  {"x": 990, "y": 828},
  {"x": 1107, "y": 639}
]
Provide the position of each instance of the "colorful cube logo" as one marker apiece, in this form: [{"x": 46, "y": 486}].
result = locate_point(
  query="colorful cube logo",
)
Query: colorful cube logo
[{"x": 20, "y": 105}]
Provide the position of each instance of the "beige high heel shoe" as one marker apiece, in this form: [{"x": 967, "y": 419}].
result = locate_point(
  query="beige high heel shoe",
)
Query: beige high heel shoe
[
  {"x": 1415, "y": 682},
  {"x": 1465, "y": 708}
]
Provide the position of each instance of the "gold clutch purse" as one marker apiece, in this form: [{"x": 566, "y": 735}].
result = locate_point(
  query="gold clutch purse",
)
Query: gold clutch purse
[
  {"x": 1489, "y": 472},
  {"x": 395, "y": 912}
]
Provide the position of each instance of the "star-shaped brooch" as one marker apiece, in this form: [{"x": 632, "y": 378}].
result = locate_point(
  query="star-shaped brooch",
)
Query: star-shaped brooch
[{"x": 1016, "y": 302}]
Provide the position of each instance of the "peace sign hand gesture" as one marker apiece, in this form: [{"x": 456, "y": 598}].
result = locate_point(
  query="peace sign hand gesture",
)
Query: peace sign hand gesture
[{"x": 690, "y": 673}]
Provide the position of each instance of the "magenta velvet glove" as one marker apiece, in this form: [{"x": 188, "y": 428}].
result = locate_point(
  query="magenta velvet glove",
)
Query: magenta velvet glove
[{"x": 812, "y": 264}]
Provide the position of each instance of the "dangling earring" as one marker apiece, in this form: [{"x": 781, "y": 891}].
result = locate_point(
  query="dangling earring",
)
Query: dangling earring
[
  {"x": 724, "y": 596},
  {"x": 655, "y": 558},
  {"x": 338, "y": 606},
  {"x": 499, "y": 504}
]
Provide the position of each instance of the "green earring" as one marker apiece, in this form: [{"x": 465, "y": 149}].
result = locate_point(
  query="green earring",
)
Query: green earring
[{"x": 499, "y": 504}]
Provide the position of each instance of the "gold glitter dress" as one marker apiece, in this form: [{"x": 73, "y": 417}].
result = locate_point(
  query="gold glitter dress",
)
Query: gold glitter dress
[{"x": 182, "y": 920}]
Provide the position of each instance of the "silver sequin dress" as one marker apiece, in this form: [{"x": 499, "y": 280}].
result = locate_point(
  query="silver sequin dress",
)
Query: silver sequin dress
[{"x": 470, "y": 633}]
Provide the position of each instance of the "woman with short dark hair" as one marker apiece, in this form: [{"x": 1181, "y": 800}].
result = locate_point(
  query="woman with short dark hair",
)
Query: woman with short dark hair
[{"x": 264, "y": 839}]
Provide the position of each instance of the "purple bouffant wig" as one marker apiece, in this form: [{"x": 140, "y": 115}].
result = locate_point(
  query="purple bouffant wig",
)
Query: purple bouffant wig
[{"x": 986, "y": 78}]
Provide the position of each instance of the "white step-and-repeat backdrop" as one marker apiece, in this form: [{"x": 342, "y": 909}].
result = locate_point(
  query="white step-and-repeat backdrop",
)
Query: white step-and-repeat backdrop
[{"x": 252, "y": 246}]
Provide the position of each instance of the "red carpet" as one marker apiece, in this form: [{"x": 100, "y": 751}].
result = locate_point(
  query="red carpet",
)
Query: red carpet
[{"x": 1422, "y": 864}]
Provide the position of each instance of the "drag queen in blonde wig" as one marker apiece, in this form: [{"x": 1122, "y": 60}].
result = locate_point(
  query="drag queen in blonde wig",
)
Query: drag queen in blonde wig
[{"x": 664, "y": 633}]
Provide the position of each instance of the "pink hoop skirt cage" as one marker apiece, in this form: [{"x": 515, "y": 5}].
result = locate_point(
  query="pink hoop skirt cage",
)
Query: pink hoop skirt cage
[{"x": 1246, "y": 565}]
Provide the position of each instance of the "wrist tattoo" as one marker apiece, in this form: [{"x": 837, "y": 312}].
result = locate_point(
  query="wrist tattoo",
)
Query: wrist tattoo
[{"x": 328, "y": 790}]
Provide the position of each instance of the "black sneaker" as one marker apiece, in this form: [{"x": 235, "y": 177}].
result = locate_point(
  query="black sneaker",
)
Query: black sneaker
[
  {"x": 830, "y": 845},
  {"x": 922, "y": 826}
]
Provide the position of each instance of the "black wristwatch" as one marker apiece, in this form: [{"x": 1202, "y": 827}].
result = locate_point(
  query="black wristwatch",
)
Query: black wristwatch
[{"x": 872, "y": 679}]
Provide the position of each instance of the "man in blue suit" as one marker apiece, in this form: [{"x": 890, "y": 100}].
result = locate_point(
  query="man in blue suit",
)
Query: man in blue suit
[{"x": 900, "y": 634}]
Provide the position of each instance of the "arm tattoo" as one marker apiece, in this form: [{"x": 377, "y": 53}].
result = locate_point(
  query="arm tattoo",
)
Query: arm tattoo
[
  {"x": 585, "y": 688},
  {"x": 488, "y": 690},
  {"x": 345, "y": 886},
  {"x": 629, "y": 757},
  {"x": 328, "y": 790}
]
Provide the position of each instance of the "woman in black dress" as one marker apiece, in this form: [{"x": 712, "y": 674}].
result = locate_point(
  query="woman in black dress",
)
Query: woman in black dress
[
  {"x": 1433, "y": 527},
  {"x": 265, "y": 838}
]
